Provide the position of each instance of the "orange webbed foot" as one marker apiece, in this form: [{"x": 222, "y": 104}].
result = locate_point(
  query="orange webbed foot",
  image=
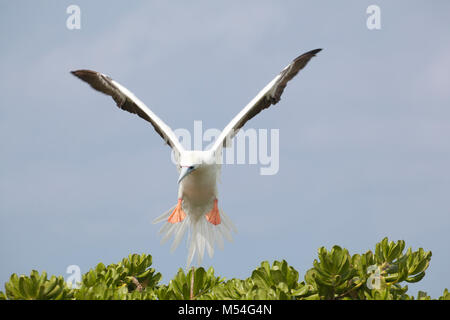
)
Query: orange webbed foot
[
  {"x": 178, "y": 214},
  {"x": 214, "y": 216}
]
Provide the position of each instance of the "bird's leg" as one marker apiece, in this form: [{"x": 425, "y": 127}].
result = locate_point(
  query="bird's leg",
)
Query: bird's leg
[
  {"x": 214, "y": 216},
  {"x": 178, "y": 214}
]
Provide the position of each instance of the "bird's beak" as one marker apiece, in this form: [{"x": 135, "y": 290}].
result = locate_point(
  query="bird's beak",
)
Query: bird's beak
[{"x": 184, "y": 172}]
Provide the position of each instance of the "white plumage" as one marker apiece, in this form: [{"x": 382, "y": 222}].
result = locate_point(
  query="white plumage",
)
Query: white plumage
[{"x": 197, "y": 209}]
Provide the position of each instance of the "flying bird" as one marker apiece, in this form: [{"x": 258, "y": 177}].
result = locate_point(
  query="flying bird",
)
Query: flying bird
[{"x": 197, "y": 207}]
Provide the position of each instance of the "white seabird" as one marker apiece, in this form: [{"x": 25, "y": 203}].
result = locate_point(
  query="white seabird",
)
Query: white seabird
[{"x": 197, "y": 206}]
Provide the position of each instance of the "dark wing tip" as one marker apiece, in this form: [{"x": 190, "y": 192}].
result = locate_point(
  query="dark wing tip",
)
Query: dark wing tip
[
  {"x": 305, "y": 57},
  {"x": 97, "y": 81},
  {"x": 315, "y": 51},
  {"x": 83, "y": 74},
  {"x": 308, "y": 54}
]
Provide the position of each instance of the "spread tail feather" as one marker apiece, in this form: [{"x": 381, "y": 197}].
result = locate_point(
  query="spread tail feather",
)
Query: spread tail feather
[{"x": 202, "y": 234}]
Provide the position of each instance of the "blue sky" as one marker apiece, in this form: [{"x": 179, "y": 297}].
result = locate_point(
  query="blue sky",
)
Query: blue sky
[{"x": 364, "y": 130}]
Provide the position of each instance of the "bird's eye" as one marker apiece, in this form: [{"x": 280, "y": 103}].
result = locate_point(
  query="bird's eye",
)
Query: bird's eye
[{"x": 191, "y": 168}]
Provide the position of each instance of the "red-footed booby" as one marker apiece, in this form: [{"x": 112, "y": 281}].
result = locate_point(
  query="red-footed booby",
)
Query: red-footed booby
[{"x": 197, "y": 207}]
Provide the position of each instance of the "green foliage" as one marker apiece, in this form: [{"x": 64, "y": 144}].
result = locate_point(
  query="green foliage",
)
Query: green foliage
[
  {"x": 36, "y": 287},
  {"x": 335, "y": 274},
  {"x": 132, "y": 278},
  {"x": 276, "y": 282},
  {"x": 332, "y": 275},
  {"x": 445, "y": 296},
  {"x": 196, "y": 284}
]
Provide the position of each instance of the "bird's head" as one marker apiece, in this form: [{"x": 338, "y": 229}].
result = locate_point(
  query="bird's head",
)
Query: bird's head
[
  {"x": 185, "y": 171},
  {"x": 189, "y": 162}
]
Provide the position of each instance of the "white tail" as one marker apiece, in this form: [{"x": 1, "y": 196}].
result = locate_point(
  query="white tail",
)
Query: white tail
[{"x": 202, "y": 234}]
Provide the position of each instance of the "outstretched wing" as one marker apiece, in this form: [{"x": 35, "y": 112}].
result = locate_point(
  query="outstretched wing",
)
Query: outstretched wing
[
  {"x": 126, "y": 100},
  {"x": 268, "y": 96}
]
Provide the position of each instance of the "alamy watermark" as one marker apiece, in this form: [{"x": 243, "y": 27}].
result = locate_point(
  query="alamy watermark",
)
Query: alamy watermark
[
  {"x": 73, "y": 21},
  {"x": 374, "y": 19},
  {"x": 74, "y": 278},
  {"x": 374, "y": 280},
  {"x": 250, "y": 146}
]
